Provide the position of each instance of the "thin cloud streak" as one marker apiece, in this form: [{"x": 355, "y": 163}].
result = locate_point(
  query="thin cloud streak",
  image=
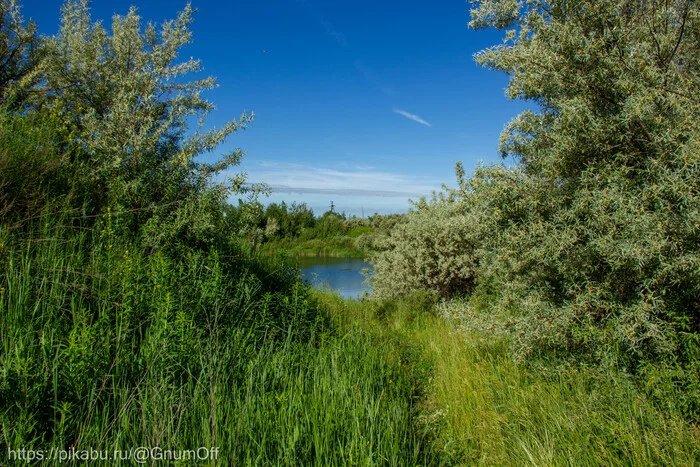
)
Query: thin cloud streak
[
  {"x": 372, "y": 77},
  {"x": 344, "y": 192},
  {"x": 328, "y": 27},
  {"x": 332, "y": 32},
  {"x": 413, "y": 117}
]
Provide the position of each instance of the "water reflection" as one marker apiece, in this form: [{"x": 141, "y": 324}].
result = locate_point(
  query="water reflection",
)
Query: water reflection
[{"x": 342, "y": 275}]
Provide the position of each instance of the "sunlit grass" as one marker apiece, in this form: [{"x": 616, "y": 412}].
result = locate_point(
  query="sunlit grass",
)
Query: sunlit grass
[
  {"x": 488, "y": 409},
  {"x": 341, "y": 246},
  {"x": 107, "y": 347}
]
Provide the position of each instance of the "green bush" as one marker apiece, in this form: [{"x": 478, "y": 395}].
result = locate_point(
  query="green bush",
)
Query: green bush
[
  {"x": 122, "y": 101},
  {"x": 360, "y": 230},
  {"x": 590, "y": 246},
  {"x": 30, "y": 166},
  {"x": 433, "y": 250}
]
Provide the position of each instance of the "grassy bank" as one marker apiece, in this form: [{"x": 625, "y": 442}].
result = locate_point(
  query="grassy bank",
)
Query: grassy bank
[
  {"x": 340, "y": 246},
  {"x": 487, "y": 409},
  {"x": 106, "y": 346}
]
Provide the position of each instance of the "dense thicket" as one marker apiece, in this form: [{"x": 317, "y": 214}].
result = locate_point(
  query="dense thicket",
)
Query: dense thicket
[
  {"x": 104, "y": 116},
  {"x": 590, "y": 246}
]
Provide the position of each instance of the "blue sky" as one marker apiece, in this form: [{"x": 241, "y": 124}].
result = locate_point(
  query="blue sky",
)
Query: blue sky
[{"x": 365, "y": 103}]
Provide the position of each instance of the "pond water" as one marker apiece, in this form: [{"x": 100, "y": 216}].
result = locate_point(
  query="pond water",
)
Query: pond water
[{"x": 342, "y": 275}]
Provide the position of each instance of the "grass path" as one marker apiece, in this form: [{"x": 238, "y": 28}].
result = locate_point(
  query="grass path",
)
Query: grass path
[{"x": 483, "y": 408}]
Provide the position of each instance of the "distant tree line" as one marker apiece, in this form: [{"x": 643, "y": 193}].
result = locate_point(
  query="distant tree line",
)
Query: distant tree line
[{"x": 296, "y": 221}]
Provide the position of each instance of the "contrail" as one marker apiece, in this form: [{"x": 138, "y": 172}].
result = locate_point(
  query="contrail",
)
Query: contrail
[
  {"x": 413, "y": 117},
  {"x": 369, "y": 75}
]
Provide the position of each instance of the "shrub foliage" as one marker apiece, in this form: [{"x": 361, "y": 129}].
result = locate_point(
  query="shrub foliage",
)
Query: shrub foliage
[{"x": 589, "y": 246}]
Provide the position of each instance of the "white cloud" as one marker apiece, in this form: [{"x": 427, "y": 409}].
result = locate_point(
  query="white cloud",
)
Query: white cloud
[
  {"x": 360, "y": 181},
  {"x": 413, "y": 117}
]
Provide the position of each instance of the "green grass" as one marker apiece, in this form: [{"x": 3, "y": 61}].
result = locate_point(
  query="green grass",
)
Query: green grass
[
  {"x": 487, "y": 409},
  {"x": 105, "y": 346},
  {"x": 340, "y": 246}
]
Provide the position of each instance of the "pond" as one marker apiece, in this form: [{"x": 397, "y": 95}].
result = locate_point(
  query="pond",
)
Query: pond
[{"x": 342, "y": 275}]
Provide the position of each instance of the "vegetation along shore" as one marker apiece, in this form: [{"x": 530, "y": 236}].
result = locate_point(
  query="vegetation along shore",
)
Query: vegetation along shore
[{"x": 545, "y": 312}]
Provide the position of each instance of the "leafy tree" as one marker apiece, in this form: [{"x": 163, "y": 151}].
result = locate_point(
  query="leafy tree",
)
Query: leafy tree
[
  {"x": 291, "y": 221},
  {"x": 18, "y": 54},
  {"x": 125, "y": 102},
  {"x": 616, "y": 81},
  {"x": 302, "y": 217},
  {"x": 276, "y": 220},
  {"x": 330, "y": 224},
  {"x": 612, "y": 158}
]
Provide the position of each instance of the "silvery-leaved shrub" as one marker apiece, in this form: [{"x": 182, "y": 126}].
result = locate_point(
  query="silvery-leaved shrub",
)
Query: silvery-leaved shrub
[
  {"x": 591, "y": 247},
  {"x": 125, "y": 99},
  {"x": 18, "y": 55}
]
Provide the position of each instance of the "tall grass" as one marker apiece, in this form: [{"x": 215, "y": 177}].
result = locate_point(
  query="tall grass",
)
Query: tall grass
[
  {"x": 107, "y": 346},
  {"x": 339, "y": 246},
  {"x": 487, "y": 409}
]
